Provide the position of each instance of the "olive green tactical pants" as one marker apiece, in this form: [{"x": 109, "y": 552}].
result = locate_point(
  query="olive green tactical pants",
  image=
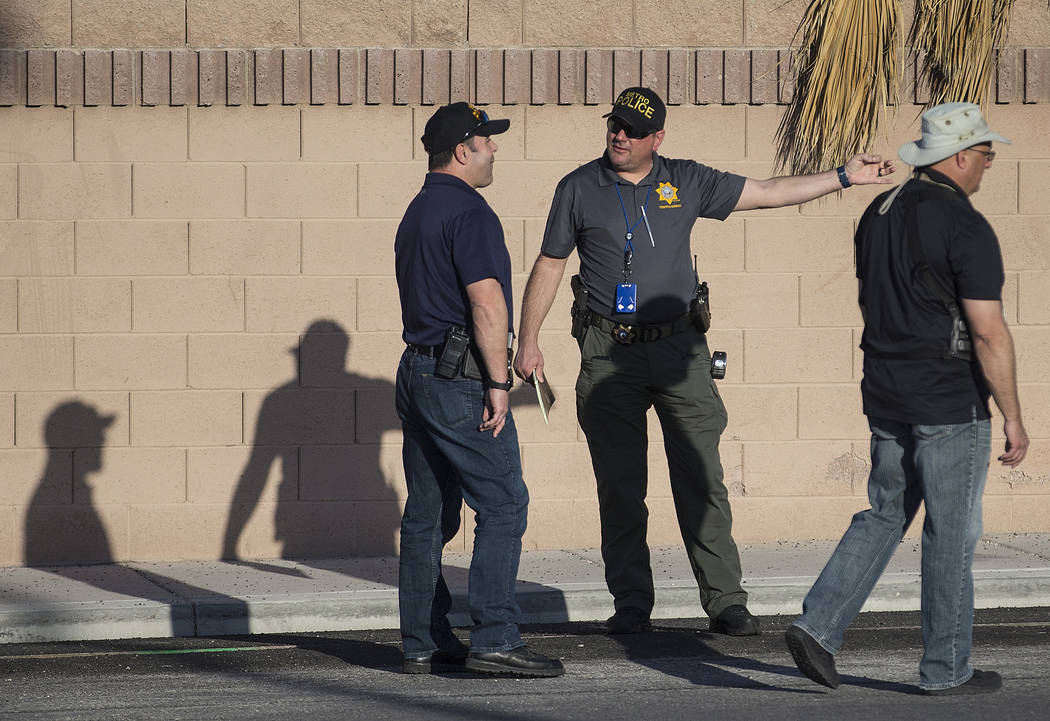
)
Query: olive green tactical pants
[{"x": 616, "y": 387}]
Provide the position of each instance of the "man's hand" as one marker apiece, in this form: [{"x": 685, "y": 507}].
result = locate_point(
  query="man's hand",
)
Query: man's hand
[
  {"x": 1016, "y": 444},
  {"x": 494, "y": 416},
  {"x": 865, "y": 169},
  {"x": 528, "y": 359}
]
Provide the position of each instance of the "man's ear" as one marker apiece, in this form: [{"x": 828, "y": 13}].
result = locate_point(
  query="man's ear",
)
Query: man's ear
[
  {"x": 460, "y": 153},
  {"x": 658, "y": 138}
]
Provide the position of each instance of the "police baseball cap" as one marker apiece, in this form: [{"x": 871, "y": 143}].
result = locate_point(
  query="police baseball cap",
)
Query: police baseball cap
[
  {"x": 451, "y": 124},
  {"x": 641, "y": 108}
]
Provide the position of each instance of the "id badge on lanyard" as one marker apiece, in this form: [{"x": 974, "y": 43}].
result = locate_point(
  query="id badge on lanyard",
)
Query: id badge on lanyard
[{"x": 626, "y": 300}]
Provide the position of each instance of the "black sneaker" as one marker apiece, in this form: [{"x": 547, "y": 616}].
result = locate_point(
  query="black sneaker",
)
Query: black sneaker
[
  {"x": 520, "y": 661},
  {"x": 628, "y": 620},
  {"x": 454, "y": 656},
  {"x": 735, "y": 621},
  {"x": 811, "y": 658},
  {"x": 980, "y": 682}
]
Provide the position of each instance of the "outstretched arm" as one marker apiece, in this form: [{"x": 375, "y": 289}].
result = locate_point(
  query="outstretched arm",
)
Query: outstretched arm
[
  {"x": 540, "y": 291},
  {"x": 861, "y": 169}
]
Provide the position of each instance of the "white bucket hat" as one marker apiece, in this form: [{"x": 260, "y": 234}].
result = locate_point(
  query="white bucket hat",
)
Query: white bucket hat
[{"x": 947, "y": 129}]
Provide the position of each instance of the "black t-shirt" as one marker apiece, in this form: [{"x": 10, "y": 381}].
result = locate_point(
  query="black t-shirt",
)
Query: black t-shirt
[
  {"x": 901, "y": 315},
  {"x": 448, "y": 239}
]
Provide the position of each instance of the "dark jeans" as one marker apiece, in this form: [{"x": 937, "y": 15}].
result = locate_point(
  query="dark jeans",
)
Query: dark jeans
[
  {"x": 616, "y": 387},
  {"x": 945, "y": 467},
  {"x": 448, "y": 461}
]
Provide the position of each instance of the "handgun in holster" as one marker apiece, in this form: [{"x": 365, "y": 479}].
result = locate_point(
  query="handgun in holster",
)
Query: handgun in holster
[{"x": 579, "y": 312}]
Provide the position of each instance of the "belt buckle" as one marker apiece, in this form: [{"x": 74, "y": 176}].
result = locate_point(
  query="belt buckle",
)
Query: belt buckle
[{"x": 623, "y": 334}]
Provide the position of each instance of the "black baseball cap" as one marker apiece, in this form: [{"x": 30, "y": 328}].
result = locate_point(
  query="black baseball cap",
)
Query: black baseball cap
[
  {"x": 641, "y": 108},
  {"x": 451, "y": 124}
]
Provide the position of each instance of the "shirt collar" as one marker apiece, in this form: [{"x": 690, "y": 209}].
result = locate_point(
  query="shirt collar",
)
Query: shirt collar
[
  {"x": 608, "y": 176},
  {"x": 433, "y": 179}
]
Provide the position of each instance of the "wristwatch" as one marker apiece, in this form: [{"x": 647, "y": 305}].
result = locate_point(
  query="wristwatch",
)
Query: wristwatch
[{"x": 504, "y": 386}]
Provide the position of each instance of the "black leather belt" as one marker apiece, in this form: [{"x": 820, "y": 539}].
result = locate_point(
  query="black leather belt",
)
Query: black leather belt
[
  {"x": 430, "y": 351},
  {"x": 627, "y": 334}
]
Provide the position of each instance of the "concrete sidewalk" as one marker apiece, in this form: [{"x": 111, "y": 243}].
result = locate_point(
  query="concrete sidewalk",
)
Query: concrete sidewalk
[{"x": 201, "y": 598}]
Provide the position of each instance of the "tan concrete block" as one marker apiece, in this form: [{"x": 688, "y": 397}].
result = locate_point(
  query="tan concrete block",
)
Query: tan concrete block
[
  {"x": 338, "y": 133},
  {"x": 130, "y": 133},
  {"x": 803, "y": 244},
  {"x": 1010, "y": 298},
  {"x": 760, "y": 413},
  {"x": 186, "y": 418},
  {"x": 771, "y": 22},
  {"x": 1030, "y": 478},
  {"x": 761, "y": 129},
  {"x": 352, "y": 473},
  {"x": 244, "y": 247},
  {"x": 495, "y": 23},
  {"x": 74, "y": 190},
  {"x": 199, "y": 528},
  {"x": 244, "y": 133},
  {"x": 361, "y": 247},
  {"x": 754, "y": 300},
  {"x": 250, "y": 23},
  {"x": 326, "y": 359},
  {"x": 513, "y": 237},
  {"x": 302, "y": 416},
  {"x": 74, "y": 305},
  {"x": 1029, "y": 26},
  {"x": 764, "y": 520},
  {"x": 562, "y": 417},
  {"x": 550, "y": 525},
  {"x": 131, "y": 247},
  {"x": 1023, "y": 239},
  {"x": 36, "y": 135},
  {"x": 558, "y": 470},
  {"x": 1033, "y": 179},
  {"x": 289, "y": 305},
  {"x": 1032, "y": 348},
  {"x": 182, "y": 305},
  {"x": 798, "y": 355},
  {"x": 1027, "y": 125},
  {"x": 8, "y": 305},
  {"x": 36, "y": 477},
  {"x": 376, "y": 355},
  {"x": 829, "y": 299},
  {"x": 190, "y": 190},
  {"x": 552, "y": 24},
  {"x": 131, "y": 475},
  {"x": 42, "y": 420},
  {"x": 242, "y": 360},
  {"x": 706, "y": 23},
  {"x": 9, "y": 186},
  {"x": 7, "y": 420},
  {"x": 269, "y": 473},
  {"x": 36, "y": 363},
  {"x": 1034, "y": 297},
  {"x": 379, "y": 305},
  {"x": 705, "y": 133},
  {"x": 368, "y": 23},
  {"x": 65, "y": 535},
  {"x": 800, "y": 469},
  {"x": 440, "y": 23},
  {"x": 831, "y": 412},
  {"x": 1031, "y": 514},
  {"x": 586, "y": 524},
  {"x": 130, "y": 362},
  {"x": 389, "y": 188},
  {"x": 505, "y": 195},
  {"x": 43, "y": 23},
  {"x": 376, "y": 420},
  {"x": 306, "y": 190},
  {"x": 111, "y": 23},
  {"x": 33, "y": 248},
  {"x": 999, "y": 192},
  {"x": 554, "y": 132},
  {"x": 997, "y": 513},
  {"x": 8, "y": 523}
]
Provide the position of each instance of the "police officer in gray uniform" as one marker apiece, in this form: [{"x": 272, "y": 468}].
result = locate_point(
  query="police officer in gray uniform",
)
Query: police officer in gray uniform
[{"x": 629, "y": 214}]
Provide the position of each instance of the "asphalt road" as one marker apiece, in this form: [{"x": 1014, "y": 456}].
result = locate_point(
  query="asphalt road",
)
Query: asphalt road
[{"x": 679, "y": 671}]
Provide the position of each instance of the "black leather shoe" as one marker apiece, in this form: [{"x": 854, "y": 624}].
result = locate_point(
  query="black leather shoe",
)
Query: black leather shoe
[
  {"x": 455, "y": 656},
  {"x": 628, "y": 620},
  {"x": 735, "y": 621},
  {"x": 811, "y": 658},
  {"x": 518, "y": 661},
  {"x": 980, "y": 682}
]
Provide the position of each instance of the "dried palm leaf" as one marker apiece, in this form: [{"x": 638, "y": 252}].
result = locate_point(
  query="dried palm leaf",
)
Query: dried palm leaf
[
  {"x": 845, "y": 75},
  {"x": 957, "y": 41}
]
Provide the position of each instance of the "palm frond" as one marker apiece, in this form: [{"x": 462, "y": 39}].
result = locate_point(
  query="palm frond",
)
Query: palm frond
[
  {"x": 846, "y": 74},
  {"x": 957, "y": 41}
]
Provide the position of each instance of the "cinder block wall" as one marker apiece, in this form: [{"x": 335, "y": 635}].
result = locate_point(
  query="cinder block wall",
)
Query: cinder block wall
[{"x": 199, "y": 324}]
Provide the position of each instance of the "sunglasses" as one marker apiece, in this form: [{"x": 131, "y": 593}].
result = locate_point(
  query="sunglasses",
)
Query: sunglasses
[
  {"x": 989, "y": 155},
  {"x": 616, "y": 125},
  {"x": 484, "y": 119}
]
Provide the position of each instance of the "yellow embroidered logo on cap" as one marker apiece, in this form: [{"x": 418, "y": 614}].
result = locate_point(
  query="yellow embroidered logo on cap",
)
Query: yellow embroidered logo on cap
[{"x": 668, "y": 196}]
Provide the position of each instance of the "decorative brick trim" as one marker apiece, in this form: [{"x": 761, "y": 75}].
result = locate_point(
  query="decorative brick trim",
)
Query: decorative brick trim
[{"x": 412, "y": 76}]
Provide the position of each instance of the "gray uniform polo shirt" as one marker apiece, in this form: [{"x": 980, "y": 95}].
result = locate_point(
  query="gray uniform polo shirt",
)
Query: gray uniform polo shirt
[{"x": 586, "y": 214}]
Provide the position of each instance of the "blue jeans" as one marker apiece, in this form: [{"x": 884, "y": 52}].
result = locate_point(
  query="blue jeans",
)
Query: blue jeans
[
  {"x": 943, "y": 466},
  {"x": 448, "y": 461}
]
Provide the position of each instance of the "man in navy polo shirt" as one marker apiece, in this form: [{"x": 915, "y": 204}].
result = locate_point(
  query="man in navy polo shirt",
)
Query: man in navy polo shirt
[
  {"x": 629, "y": 214},
  {"x": 460, "y": 443}
]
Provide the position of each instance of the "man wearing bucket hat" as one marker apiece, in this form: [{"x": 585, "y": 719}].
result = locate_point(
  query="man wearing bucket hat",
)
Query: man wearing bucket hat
[
  {"x": 935, "y": 345},
  {"x": 641, "y": 346},
  {"x": 460, "y": 444}
]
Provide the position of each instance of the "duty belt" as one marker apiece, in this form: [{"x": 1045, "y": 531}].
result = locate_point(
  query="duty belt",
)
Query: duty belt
[
  {"x": 431, "y": 351},
  {"x": 628, "y": 334}
]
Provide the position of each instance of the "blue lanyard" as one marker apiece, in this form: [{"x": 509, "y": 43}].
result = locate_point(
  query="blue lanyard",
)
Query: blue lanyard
[{"x": 628, "y": 248}]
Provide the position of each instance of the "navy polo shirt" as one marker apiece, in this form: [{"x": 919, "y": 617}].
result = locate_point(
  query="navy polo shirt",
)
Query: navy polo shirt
[
  {"x": 448, "y": 239},
  {"x": 587, "y": 215}
]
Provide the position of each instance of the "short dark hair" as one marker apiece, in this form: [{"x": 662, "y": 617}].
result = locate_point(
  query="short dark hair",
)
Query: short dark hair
[{"x": 437, "y": 161}]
